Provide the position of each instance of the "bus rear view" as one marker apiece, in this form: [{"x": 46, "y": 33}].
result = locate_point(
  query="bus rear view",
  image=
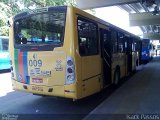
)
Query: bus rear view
[
  {"x": 66, "y": 52},
  {"x": 39, "y": 55}
]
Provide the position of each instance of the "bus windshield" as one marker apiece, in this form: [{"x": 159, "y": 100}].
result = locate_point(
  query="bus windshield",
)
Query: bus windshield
[
  {"x": 40, "y": 29},
  {"x": 4, "y": 44}
]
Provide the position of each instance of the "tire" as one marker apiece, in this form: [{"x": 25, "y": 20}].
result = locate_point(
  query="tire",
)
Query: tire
[
  {"x": 116, "y": 77},
  {"x": 137, "y": 63},
  {"x": 39, "y": 95}
]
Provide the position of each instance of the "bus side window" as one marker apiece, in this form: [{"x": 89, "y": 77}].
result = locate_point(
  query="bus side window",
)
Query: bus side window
[
  {"x": 132, "y": 46},
  {"x": 120, "y": 43},
  {"x": 87, "y": 37},
  {"x": 114, "y": 41},
  {"x": 5, "y": 45},
  {"x": 136, "y": 46},
  {"x": 83, "y": 46}
]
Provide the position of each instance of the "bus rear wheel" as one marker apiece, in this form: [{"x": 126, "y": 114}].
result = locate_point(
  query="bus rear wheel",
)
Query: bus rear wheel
[{"x": 116, "y": 77}]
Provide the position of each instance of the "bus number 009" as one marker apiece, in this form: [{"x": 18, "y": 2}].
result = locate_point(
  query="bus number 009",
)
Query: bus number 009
[{"x": 35, "y": 63}]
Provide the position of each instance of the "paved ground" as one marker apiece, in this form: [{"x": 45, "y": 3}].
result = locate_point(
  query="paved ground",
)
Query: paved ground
[
  {"x": 138, "y": 96},
  {"x": 5, "y": 84},
  {"x": 27, "y": 106}
]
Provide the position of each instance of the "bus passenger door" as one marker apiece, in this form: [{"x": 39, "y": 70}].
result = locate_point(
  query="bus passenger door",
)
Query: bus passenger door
[
  {"x": 106, "y": 55},
  {"x": 89, "y": 54}
]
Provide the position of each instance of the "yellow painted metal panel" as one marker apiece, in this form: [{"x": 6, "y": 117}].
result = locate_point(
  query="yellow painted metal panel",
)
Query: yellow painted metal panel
[
  {"x": 91, "y": 66},
  {"x": 72, "y": 91},
  {"x": 52, "y": 71},
  {"x": 91, "y": 86}
]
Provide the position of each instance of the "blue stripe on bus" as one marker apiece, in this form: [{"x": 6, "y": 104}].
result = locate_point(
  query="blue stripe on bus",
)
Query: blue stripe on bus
[{"x": 25, "y": 67}]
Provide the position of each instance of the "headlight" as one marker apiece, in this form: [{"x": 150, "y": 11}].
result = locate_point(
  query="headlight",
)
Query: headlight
[
  {"x": 69, "y": 70},
  {"x": 70, "y": 78},
  {"x": 69, "y": 62}
]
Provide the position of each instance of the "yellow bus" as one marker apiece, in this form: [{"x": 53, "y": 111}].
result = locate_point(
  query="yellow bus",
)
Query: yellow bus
[{"x": 66, "y": 52}]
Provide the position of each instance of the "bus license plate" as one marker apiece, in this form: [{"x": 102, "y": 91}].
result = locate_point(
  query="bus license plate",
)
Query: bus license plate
[
  {"x": 37, "y": 88},
  {"x": 37, "y": 80}
]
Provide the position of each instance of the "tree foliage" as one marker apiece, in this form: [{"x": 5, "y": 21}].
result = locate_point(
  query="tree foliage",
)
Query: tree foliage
[{"x": 10, "y": 8}]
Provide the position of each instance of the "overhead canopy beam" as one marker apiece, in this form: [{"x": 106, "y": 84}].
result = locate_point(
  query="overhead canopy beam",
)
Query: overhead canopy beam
[
  {"x": 89, "y": 4},
  {"x": 152, "y": 36},
  {"x": 142, "y": 19}
]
